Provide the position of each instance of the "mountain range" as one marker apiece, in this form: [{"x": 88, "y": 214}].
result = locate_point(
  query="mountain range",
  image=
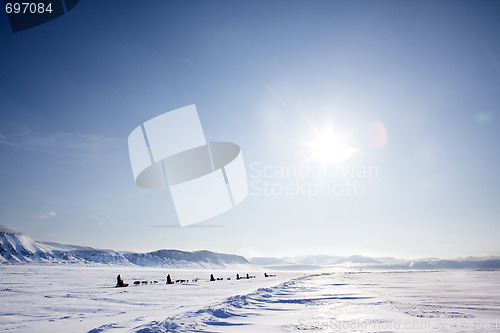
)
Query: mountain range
[
  {"x": 311, "y": 262},
  {"x": 16, "y": 247}
]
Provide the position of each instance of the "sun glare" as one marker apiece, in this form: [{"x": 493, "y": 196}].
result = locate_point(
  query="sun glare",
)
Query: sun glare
[{"x": 330, "y": 148}]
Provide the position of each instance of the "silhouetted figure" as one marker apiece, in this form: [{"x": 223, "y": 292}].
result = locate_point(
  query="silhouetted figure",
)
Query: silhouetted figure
[
  {"x": 119, "y": 281},
  {"x": 237, "y": 276},
  {"x": 212, "y": 277},
  {"x": 169, "y": 280},
  {"x": 265, "y": 275},
  {"x": 248, "y": 276}
]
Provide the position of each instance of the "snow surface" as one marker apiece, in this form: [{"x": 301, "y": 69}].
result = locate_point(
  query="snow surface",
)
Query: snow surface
[{"x": 83, "y": 299}]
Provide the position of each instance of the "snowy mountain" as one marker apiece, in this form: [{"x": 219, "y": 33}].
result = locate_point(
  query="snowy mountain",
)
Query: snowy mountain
[
  {"x": 363, "y": 262},
  {"x": 181, "y": 258},
  {"x": 16, "y": 247}
]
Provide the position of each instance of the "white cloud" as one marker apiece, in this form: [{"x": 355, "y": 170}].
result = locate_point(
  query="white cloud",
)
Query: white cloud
[
  {"x": 72, "y": 147},
  {"x": 45, "y": 215}
]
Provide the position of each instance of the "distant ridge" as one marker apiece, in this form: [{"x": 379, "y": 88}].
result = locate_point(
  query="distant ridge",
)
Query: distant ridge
[
  {"x": 18, "y": 248},
  {"x": 175, "y": 258},
  {"x": 312, "y": 262}
]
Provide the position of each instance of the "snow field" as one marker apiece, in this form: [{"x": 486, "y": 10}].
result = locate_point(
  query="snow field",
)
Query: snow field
[{"x": 83, "y": 299}]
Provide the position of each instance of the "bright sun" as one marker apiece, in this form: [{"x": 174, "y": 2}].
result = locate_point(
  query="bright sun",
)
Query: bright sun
[{"x": 330, "y": 148}]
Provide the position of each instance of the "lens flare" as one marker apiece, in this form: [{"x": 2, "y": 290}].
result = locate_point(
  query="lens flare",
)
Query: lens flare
[{"x": 377, "y": 134}]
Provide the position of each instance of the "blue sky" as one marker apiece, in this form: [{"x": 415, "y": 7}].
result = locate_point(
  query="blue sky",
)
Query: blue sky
[{"x": 271, "y": 77}]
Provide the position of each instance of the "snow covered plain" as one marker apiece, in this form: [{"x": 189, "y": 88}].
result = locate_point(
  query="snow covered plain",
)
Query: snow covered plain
[{"x": 83, "y": 299}]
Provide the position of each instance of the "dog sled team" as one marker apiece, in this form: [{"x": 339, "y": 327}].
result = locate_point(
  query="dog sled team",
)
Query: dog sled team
[{"x": 120, "y": 283}]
